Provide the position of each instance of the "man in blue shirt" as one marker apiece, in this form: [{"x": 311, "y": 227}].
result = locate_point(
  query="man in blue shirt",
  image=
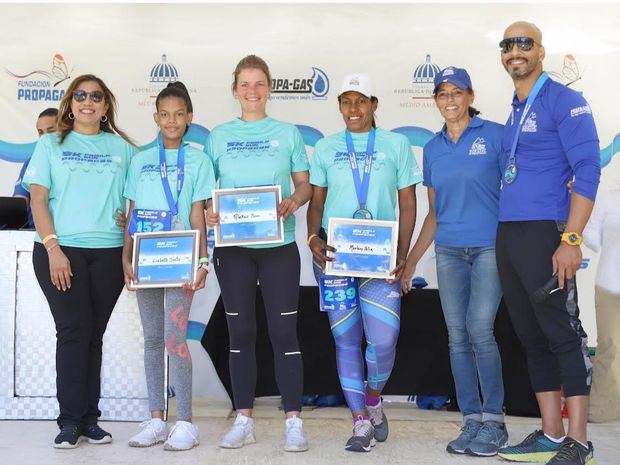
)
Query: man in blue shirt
[
  {"x": 549, "y": 140},
  {"x": 46, "y": 124}
]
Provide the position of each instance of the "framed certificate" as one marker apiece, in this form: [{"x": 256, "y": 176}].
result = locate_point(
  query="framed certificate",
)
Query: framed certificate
[
  {"x": 165, "y": 259},
  {"x": 248, "y": 216},
  {"x": 364, "y": 248}
]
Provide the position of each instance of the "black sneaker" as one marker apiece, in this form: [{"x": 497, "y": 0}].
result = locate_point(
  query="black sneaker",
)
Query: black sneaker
[
  {"x": 573, "y": 453},
  {"x": 96, "y": 435},
  {"x": 68, "y": 438}
]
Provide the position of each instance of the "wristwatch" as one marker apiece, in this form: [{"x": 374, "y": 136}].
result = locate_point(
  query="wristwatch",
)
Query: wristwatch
[{"x": 571, "y": 238}]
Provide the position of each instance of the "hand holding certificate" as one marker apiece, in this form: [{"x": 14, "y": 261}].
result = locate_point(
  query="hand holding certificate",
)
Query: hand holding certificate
[
  {"x": 248, "y": 216},
  {"x": 364, "y": 248},
  {"x": 165, "y": 259}
]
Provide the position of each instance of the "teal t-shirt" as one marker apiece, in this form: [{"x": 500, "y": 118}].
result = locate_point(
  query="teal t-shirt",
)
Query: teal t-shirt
[
  {"x": 393, "y": 167},
  {"x": 258, "y": 153},
  {"x": 145, "y": 188},
  {"x": 85, "y": 176}
]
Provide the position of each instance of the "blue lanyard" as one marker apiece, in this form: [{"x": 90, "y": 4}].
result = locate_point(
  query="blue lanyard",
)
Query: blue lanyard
[
  {"x": 361, "y": 187},
  {"x": 163, "y": 171},
  {"x": 528, "y": 105}
]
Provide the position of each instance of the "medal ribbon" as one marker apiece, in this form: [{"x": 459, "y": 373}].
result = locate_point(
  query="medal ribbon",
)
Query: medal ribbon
[
  {"x": 361, "y": 187},
  {"x": 163, "y": 171},
  {"x": 528, "y": 105}
]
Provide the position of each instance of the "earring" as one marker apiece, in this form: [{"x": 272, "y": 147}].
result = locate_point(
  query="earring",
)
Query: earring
[
  {"x": 104, "y": 119},
  {"x": 71, "y": 115}
]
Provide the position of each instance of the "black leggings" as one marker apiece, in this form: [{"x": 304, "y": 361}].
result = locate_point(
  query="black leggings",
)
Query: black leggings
[
  {"x": 277, "y": 270},
  {"x": 81, "y": 315},
  {"x": 550, "y": 332}
]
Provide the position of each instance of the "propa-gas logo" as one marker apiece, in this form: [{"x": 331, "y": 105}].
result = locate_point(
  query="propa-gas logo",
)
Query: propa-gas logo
[
  {"x": 41, "y": 84},
  {"x": 315, "y": 87},
  {"x": 419, "y": 94},
  {"x": 160, "y": 75}
]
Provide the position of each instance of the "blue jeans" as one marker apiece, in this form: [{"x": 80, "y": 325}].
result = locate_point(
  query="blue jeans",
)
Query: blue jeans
[{"x": 470, "y": 293}]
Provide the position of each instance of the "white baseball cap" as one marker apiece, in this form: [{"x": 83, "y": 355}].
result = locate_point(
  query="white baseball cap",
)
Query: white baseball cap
[{"x": 357, "y": 82}]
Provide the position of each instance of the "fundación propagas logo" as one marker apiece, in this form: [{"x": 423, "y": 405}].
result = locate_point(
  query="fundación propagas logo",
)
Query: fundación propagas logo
[
  {"x": 160, "y": 76},
  {"x": 42, "y": 85},
  {"x": 315, "y": 87},
  {"x": 420, "y": 93}
]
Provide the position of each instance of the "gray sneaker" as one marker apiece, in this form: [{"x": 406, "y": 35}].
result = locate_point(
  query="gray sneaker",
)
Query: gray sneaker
[
  {"x": 363, "y": 438},
  {"x": 379, "y": 421},
  {"x": 491, "y": 437},
  {"x": 468, "y": 433}
]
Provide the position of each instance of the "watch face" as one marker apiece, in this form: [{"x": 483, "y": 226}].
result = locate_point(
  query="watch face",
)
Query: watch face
[{"x": 573, "y": 238}]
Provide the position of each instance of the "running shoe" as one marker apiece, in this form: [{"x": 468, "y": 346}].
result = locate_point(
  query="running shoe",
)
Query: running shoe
[
  {"x": 154, "y": 431},
  {"x": 294, "y": 433},
  {"x": 68, "y": 438},
  {"x": 490, "y": 438},
  {"x": 536, "y": 447},
  {"x": 183, "y": 436},
  {"x": 241, "y": 433},
  {"x": 96, "y": 435},
  {"x": 469, "y": 431},
  {"x": 573, "y": 453},
  {"x": 363, "y": 438},
  {"x": 379, "y": 421}
]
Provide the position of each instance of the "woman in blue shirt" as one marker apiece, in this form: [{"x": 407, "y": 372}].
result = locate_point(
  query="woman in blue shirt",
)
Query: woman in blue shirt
[
  {"x": 256, "y": 150},
  {"x": 462, "y": 173},
  {"x": 393, "y": 173},
  {"x": 76, "y": 178}
]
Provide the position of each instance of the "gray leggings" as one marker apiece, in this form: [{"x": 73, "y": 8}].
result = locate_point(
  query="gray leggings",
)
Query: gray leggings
[{"x": 164, "y": 314}]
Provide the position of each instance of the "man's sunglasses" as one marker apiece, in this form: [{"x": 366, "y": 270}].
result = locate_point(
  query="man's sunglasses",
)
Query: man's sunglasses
[
  {"x": 524, "y": 43},
  {"x": 96, "y": 96}
]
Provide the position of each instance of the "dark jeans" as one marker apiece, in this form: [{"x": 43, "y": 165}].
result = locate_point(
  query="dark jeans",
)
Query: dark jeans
[{"x": 81, "y": 315}]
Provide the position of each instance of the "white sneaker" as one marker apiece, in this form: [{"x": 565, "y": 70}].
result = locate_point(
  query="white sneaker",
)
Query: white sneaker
[
  {"x": 241, "y": 433},
  {"x": 154, "y": 431},
  {"x": 295, "y": 438},
  {"x": 183, "y": 436}
]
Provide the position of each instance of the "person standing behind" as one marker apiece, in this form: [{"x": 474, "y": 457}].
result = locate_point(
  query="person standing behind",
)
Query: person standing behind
[
  {"x": 76, "y": 179},
  {"x": 462, "y": 174},
  {"x": 165, "y": 311},
  {"x": 340, "y": 191},
  {"x": 46, "y": 124},
  {"x": 602, "y": 234},
  {"x": 256, "y": 150},
  {"x": 549, "y": 138}
]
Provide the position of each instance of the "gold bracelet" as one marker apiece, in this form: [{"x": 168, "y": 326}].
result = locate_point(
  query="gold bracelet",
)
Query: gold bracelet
[
  {"x": 49, "y": 237},
  {"x": 312, "y": 236},
  {"x": 51, "y": 247}
]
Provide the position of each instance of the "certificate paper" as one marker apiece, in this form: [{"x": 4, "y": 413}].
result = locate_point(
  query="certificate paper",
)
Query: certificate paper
[
  {"x": 364, "y": 248},
  {"x": 165, "y": 259},
  {"x": 248, "y": 216}
]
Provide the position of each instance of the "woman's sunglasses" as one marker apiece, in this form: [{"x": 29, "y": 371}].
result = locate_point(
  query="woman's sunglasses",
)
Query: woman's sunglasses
[
  {"x": 96, "y": 96},
  {"x": 524, "y": 43}
]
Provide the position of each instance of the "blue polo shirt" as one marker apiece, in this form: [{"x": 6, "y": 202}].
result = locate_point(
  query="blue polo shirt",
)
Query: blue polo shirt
[
  {"x": 466, "y": 179},
  {"x": 558, "y": 141}
]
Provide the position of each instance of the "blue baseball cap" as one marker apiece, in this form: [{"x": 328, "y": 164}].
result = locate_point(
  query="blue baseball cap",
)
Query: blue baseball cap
[{"x": 453, "y": 75}]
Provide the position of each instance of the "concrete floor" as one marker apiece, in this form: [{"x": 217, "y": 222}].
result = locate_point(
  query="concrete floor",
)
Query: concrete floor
[{"x": 417, "y": 437}]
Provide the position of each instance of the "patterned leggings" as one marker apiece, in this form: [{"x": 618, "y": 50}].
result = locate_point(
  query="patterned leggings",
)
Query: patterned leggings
[{"x": 378, "y": 317}]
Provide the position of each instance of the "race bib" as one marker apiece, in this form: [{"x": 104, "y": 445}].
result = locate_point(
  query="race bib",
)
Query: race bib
[
  {"x": 143, "y": 221},
  {"x": 338, "y": 294}
]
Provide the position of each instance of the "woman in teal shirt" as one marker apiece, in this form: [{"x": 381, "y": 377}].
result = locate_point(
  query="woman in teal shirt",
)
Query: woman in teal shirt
[
  {"x": 256, "y": 150},
  {"x": 393, "y": 174},
  {"x": 76, "y": 178}
]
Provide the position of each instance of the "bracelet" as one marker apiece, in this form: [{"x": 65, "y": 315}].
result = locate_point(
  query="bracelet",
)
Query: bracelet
[
  {"x": 204, "y": 260},
  {"x": 312, "y": 236},
  {"x": 49, "y": 237},
  {"x": 51, "y": 247}
]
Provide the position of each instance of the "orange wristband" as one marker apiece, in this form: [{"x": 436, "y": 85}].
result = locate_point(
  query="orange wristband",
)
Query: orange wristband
[
  {"x": 312, "y": 236},
  {"x": 49, "y": 237}
]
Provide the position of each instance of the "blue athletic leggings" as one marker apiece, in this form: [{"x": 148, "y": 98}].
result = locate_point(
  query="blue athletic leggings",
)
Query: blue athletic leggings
[{"x": 378, "y": 317}]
